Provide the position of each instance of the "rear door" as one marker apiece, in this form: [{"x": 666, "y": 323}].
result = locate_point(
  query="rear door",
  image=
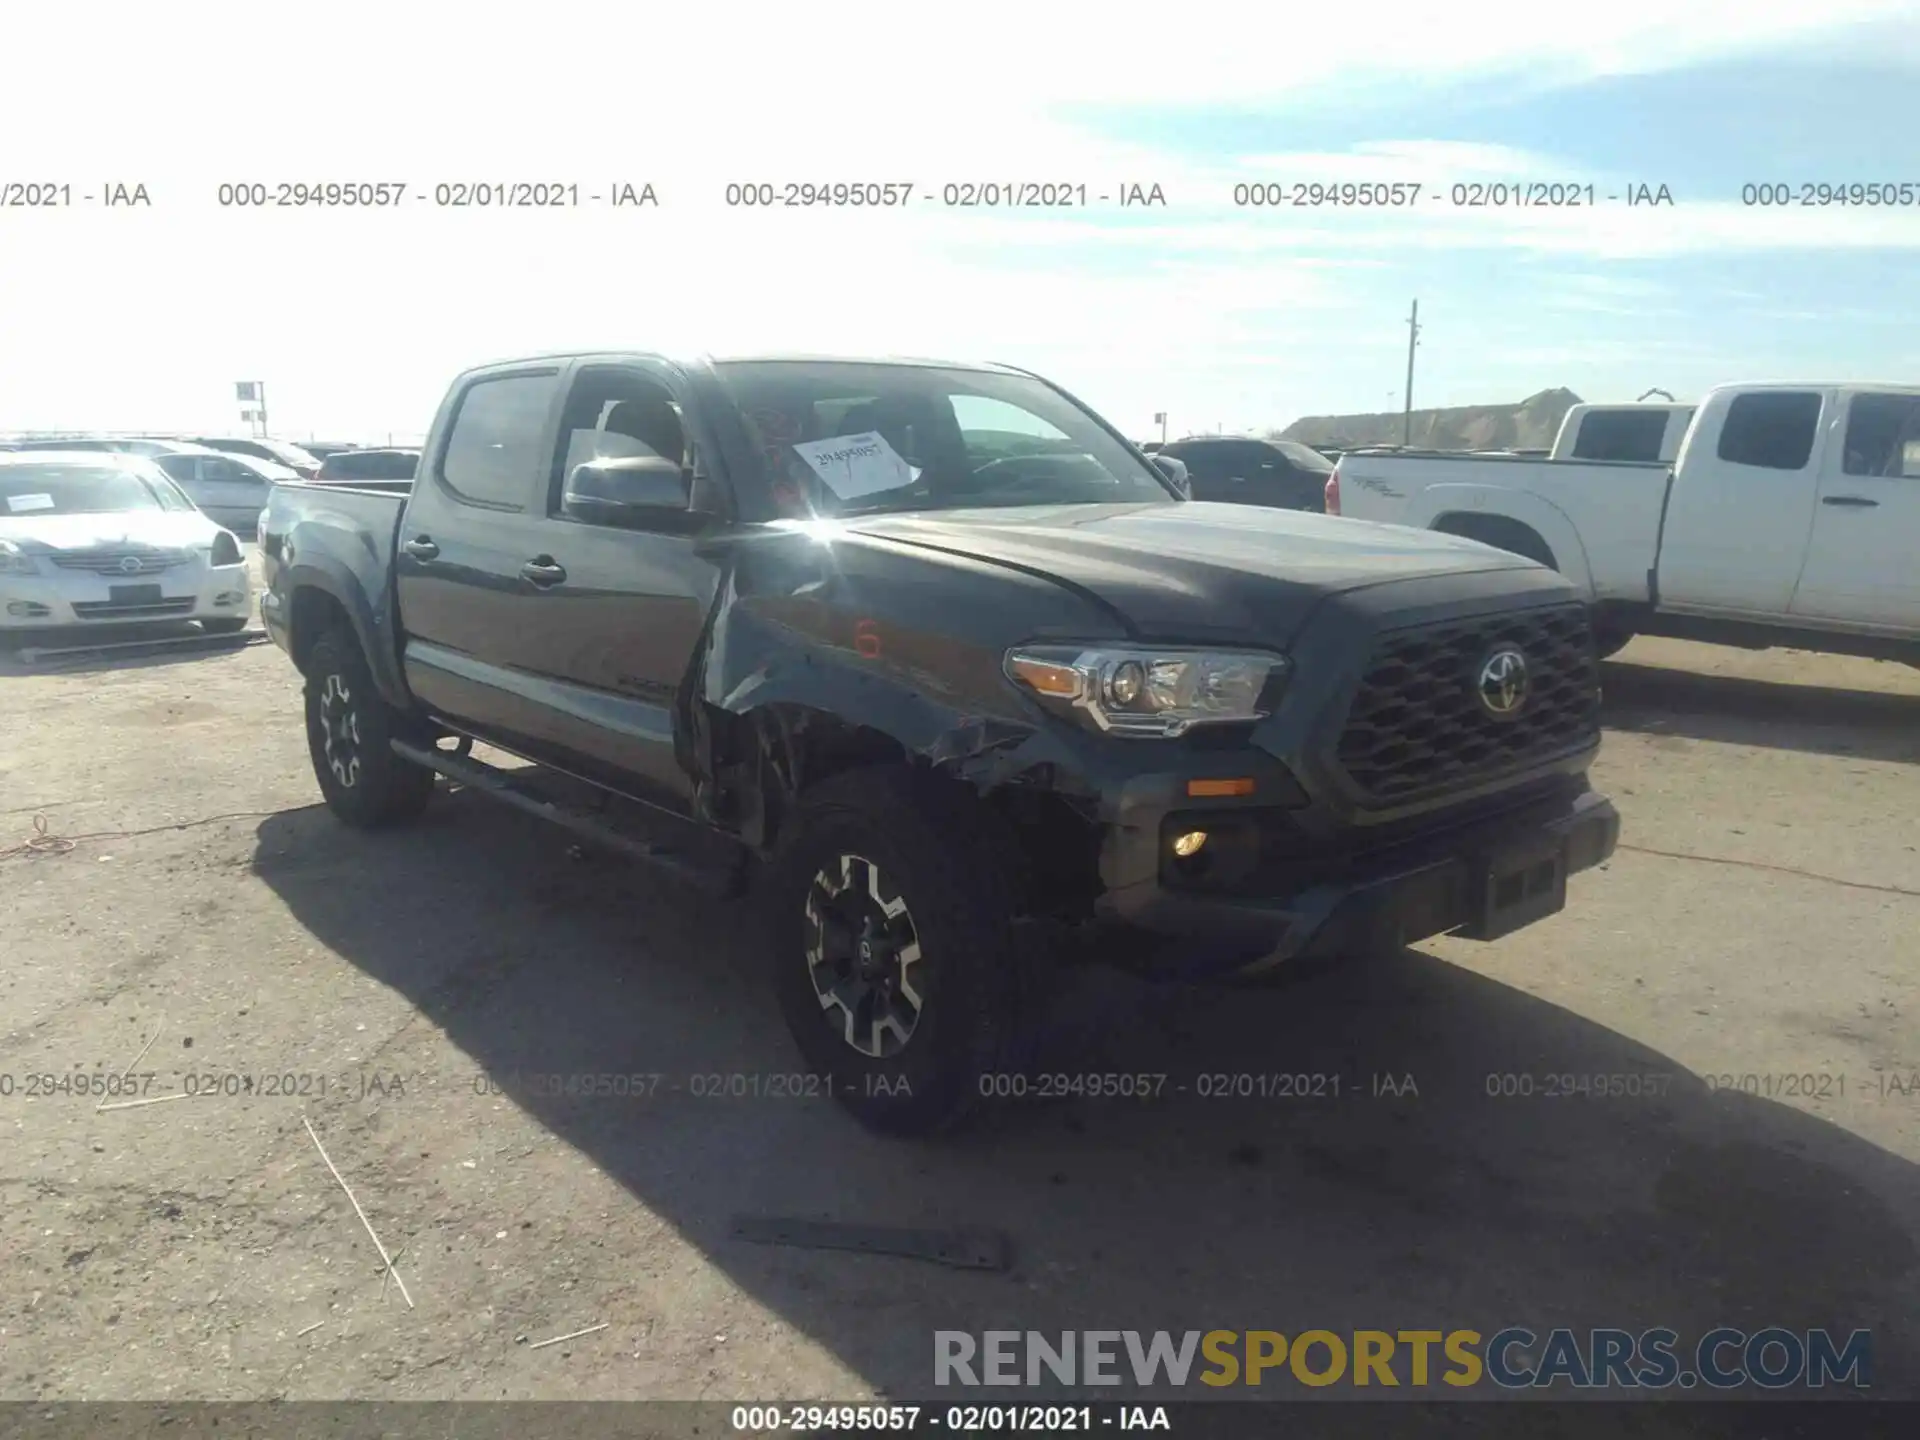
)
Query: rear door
[
  {"x": 466, "y": 609},
  {"x": 236, "y": 493},
  {"x": 226, "y": 492},
  {"x": 1741, "y": 508},
  {"x": 1863, "y": 564}
]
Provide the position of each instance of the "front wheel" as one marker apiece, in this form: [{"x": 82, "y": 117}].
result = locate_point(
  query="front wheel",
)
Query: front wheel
[
  {"x": 898, "y": 964},
  {"x": 350, "y": 730}
]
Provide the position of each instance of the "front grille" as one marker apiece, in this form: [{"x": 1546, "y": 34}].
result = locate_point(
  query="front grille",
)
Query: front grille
[
  {"x": 121, "y": 562},
  {"x": 1417, "y": 726},
  {"x": 151, "y": 610}
]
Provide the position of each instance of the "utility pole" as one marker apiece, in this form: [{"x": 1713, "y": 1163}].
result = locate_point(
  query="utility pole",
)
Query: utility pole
[{"x": 1413, "y": 341}]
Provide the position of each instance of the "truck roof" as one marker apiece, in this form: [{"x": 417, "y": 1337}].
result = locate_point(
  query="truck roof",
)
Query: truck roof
[
  {"x": 757, "y": 357},
  {"x": 1880, "y": 385}
]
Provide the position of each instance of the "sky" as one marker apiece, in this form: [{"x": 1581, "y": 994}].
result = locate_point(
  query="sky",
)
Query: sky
[{"x": 1221, "y": 315}]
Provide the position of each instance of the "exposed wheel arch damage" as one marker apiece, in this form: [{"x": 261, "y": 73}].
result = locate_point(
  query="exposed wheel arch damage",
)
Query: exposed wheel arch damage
[{"x": 778, "y": 712}]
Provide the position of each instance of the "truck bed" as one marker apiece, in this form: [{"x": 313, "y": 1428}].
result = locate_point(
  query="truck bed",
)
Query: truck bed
[
  {"x": 341, "y": 539},
  {"x": 1600, "y": 518}
]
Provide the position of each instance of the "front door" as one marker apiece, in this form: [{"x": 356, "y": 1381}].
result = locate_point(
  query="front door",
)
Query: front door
[
  {"x": 226, "y": 492},
  {"x": 619, "y": 624}
]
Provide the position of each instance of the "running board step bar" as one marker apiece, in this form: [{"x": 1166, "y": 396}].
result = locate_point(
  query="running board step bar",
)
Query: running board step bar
[{"x": 718, "y": 881}]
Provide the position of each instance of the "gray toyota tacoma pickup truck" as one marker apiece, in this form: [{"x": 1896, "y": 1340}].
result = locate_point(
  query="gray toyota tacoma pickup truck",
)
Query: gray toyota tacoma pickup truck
[{"x": 938, "y": 668}]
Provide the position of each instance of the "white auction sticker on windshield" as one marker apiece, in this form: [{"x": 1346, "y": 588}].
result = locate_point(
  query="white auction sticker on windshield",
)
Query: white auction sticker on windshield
[
  {"x": 19, "y": 504},
  {"x": 856, "y": 465}
]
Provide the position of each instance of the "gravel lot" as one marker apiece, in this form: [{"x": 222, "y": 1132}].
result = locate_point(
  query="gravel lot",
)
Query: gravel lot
[{"x": 1762, "y": 923}]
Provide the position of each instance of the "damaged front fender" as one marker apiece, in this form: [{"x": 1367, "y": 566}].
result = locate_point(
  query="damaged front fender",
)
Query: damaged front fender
[{"x": 774, "y": 666}]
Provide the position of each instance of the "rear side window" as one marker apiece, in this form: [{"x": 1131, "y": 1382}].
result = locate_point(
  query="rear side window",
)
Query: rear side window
[
  {"x": 1621, "y": 435},
  {"x": 369, "y": 465},
  {"x": 1883, "y": 436},
  {"x": 1771, "y": 429},
  {"x": 493, "y": 456}
]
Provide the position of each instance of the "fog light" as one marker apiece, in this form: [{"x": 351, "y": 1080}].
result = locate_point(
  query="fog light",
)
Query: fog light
[
  {"x": 27, "y": 610},
  {"x": 1188, "y": 845}
]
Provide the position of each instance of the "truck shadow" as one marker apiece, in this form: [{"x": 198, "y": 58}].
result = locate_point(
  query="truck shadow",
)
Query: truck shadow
[
  {"x": 1740, "y": 710},
  {"x": 1417, "y": 1186}
]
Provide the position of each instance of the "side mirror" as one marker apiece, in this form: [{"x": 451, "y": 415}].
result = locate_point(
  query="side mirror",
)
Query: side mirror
[
  {"x": 629, "y": 491},
  {"x": 1175, "y": 471}
]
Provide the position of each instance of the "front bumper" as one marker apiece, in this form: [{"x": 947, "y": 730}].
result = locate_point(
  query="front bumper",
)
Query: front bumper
[
  {"x": 1471, "y": 878},
  {"x": 55, "y": 599}
]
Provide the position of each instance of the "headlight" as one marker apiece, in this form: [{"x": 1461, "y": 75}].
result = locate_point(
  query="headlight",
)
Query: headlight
[
  {"x": 1159, "y": 692},
  {"x": 14, "y": 561},
  {"x": 226, "y": 549}
]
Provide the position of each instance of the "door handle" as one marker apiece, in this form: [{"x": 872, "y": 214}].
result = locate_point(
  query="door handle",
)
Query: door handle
[
  {"x": 1859, "y": 502},
  {"x": 543, "y": 571},
  {"x": 421, "y": 548}
]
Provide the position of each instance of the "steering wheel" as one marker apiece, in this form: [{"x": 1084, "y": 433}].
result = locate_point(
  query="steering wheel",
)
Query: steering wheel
[{"x": 992, "y": 475}]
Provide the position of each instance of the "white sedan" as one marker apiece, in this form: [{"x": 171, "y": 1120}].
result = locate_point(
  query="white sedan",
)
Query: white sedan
[{"x": 91, "y": 538}]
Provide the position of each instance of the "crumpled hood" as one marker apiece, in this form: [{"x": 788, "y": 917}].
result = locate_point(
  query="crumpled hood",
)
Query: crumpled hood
[
  {"x": 1195, "y": 570},
  {"x": 38, "y": 534}
]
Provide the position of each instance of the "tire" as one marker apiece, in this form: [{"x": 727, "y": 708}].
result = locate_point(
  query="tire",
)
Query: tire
[
  {"x": 348, "y": 729},
  {"x": 224, "y": 627},
  {"x": 883, "y": 842}
]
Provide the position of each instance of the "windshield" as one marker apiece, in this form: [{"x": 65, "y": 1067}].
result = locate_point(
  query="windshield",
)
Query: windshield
[
  {"x": 842, "y": 438},
  {"x": 1305, "y": 457},
  {"x": 290, "y": 455},
  {"x": 27, "y": 490}
]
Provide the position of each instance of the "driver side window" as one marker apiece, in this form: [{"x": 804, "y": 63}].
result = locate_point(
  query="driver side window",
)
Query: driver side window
[{"x": 994, "y": 429}]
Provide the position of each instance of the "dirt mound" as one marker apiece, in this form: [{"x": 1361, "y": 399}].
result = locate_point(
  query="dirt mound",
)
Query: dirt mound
[{"x": 1529, "y": 425}]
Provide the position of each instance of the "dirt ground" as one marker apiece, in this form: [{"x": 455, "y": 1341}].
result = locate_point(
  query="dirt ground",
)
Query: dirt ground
[{"x": 1762, "y": 921}]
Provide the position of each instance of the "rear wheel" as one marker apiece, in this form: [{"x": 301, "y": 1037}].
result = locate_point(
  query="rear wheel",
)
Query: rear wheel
[
  {"x": 349, "y": 734},
  {"x": 1501, "y": 533},
  {"x": 898, "y": 965}
]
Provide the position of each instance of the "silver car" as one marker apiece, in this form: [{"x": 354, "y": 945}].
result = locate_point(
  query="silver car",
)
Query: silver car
[
  {"x": 87, "y": 538},
  {"x": 231, "y": 489}
]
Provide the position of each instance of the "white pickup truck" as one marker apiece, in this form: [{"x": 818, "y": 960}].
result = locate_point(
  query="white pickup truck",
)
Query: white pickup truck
[{"x": 1791, "y": 516}]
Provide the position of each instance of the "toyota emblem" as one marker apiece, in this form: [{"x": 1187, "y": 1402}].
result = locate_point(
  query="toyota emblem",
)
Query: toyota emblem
[
  {"x": 1502, "y": 683},
  {"x": 130, "y": 564}
]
